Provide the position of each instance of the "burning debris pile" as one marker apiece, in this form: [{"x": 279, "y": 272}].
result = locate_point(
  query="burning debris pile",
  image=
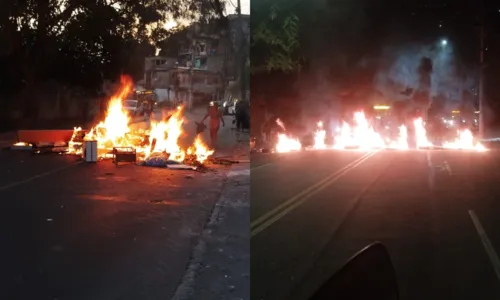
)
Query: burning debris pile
[
  {"x": 361, "y": 135},
  {"x": 157, "y": 145},
  {"x": 285, "y": 142}
]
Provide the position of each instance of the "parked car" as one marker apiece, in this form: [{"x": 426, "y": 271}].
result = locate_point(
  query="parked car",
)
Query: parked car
[{"x": 229, "y": 108}]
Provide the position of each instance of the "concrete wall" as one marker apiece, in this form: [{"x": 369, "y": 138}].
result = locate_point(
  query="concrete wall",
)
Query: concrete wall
[
  {"x": 54, "y": 102},
  {"x": 164, "y": 95}
]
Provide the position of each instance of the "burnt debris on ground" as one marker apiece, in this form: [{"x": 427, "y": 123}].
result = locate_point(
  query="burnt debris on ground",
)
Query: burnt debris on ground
[{"x": 119, "y": 155}]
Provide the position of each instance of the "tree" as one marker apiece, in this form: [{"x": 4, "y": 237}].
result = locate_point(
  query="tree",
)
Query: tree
[
  {"x": 81, "y": 42},
  {"x": 78, "y": 40},
  {"x": 276, "y": 38}
]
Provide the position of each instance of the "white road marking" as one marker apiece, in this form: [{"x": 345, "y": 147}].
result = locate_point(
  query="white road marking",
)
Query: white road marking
[
  {"x": 490, "y": 250},
  {"x": 17, "y": 183}
]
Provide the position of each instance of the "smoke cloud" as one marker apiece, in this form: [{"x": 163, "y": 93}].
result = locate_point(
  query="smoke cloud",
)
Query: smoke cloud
[{"x": 401, "y": 69}]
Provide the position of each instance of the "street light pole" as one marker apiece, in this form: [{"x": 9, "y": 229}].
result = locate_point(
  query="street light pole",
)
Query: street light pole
[
  {"x": 191, "y": 71},
  {"x": 481, "y": 84}
]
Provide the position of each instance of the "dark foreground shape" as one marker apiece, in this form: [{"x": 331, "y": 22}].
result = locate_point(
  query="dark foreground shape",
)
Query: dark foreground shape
[{"x": 367, "y": 275}]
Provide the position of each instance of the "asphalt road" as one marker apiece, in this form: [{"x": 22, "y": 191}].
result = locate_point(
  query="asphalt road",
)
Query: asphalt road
[
  {"x": 71, "y": 230},
  {"x": 418, "y": 203}
]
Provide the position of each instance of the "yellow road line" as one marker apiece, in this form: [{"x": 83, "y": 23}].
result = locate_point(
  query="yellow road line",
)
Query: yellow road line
[
  {"x": 304, "y": 192},
  {"x": 277, "y": 213},
  {"x": 490, "y": 250}
]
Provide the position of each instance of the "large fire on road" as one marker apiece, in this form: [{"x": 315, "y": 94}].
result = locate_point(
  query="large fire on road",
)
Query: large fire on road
[
  {"x": 363, "y": 136},
  {"x": 162, "y": 136}
]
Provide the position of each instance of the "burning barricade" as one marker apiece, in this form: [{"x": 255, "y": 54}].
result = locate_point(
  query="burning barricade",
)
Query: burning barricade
[
  {"x": 362, "y": 135},
  {"x": 286, "y": 143},
  {"x": 115, "y": 138}
]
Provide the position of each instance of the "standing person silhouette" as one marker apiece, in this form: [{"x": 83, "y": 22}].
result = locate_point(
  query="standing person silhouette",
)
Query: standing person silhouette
[
  {"x": 216, "y": 118},
  {"x": 242, "y": 117}
]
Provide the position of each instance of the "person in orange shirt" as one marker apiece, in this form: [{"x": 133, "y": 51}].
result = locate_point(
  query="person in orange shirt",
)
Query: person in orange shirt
[{"x": 216, "y": 118}]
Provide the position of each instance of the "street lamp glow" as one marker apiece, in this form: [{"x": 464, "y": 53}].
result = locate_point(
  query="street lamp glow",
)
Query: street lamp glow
[{"x": 444, "y": 42}]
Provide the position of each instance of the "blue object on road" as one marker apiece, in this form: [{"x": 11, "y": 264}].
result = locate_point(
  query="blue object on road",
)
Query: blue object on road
[{"x": 156, "y": 160}]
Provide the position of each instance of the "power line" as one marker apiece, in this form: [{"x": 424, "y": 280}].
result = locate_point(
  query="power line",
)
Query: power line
[{"x": 231, "y": 2}]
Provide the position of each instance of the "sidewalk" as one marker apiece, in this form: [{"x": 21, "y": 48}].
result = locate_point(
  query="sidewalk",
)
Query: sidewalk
[{"x": 220, "y": 262}]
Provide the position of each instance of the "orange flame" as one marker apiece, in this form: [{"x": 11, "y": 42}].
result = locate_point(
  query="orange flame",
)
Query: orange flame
[
  {"x": 200, "y": 150},
  {"x": 465, "y": 141},
  {"x": 421, "y": 134},
  {"x": 363, "y": 136},
  {"x": 319, "y": 137},
  {"x": 115, "y": 131},
  {"x": 287, "y": 144}
]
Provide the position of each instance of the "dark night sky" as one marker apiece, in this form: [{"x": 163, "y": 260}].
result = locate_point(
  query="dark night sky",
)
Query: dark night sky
[
  {"x": 418, "y": 21},
  {"x": 376, "y": 43},
  {"x": 371, "y": 26}
]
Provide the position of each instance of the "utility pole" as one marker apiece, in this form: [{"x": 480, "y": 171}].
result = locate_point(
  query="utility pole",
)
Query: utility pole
[
  {"x": 191, "y": 71},
  {"x": 481, "y": 82},
  {"x": 242, "y": 53}
]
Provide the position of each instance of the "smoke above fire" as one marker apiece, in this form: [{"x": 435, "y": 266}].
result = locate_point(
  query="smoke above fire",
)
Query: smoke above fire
[{"x": 401, "y": 68}]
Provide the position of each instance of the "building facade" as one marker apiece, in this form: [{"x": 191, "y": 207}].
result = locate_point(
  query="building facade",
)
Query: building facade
[{"x": 209, "y": 56}]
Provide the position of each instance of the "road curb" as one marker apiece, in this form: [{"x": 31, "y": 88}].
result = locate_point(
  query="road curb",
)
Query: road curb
[{"x": 185, "y": 289}]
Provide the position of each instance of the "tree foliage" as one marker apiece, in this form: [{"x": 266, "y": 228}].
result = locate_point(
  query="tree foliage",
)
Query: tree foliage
[
  {"x": 80, "y": 42},
  {"x": 277, "y": 35},
  {"x": 325, "y": 33}
]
